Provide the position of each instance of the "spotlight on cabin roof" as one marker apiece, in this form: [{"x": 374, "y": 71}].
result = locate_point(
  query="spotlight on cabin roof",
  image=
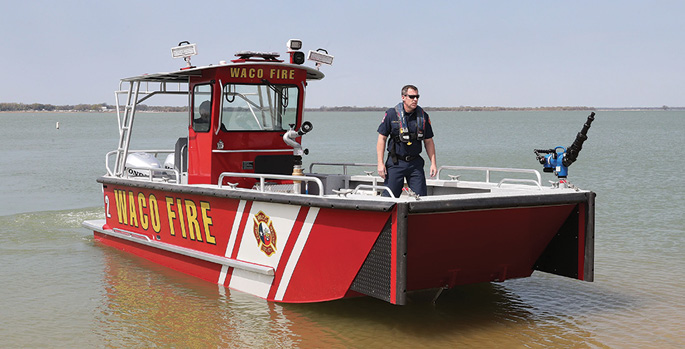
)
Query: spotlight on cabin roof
[
  {"x": 294, "y": 44},
  {"x": 320, "y": 56},
  {"x": 184, "y": 50}
]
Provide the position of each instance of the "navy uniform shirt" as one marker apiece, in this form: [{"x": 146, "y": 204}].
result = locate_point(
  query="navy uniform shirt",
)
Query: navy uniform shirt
[{"x": 390, "y": 127}]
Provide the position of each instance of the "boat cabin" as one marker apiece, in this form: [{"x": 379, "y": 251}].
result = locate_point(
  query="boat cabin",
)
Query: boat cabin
[{"x": 239, "y": 113}]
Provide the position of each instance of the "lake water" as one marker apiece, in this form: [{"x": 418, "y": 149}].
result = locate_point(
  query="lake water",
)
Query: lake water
[{"x": 61, "y": 289}]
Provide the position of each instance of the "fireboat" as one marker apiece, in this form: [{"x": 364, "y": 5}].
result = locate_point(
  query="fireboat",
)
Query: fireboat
[{"x": 231, "y": 202}]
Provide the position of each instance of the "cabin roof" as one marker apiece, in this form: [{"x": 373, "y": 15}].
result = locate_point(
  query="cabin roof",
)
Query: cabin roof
[{"x": 183, "y": 75}]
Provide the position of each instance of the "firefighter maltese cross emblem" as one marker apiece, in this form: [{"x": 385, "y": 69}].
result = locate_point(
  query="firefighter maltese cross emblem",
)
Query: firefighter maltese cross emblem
[{"x": 264, "y": 233}]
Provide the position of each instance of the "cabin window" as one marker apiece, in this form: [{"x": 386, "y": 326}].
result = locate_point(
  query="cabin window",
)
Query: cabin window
[
  {"x": 258, "y": 107},
  {"x": 202, "y": 107}
]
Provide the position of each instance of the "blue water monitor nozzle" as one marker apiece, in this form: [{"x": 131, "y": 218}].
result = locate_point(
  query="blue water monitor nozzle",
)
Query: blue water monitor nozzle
[{"x": 559, "y": 159}]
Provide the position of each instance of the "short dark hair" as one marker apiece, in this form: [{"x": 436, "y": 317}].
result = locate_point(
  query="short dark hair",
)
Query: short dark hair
[
  {"x": 407, "y": 87},
  {"x": 205, "y": 108}
]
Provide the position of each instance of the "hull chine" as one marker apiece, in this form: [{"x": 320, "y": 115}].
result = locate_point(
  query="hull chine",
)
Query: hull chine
[{"x": 148, "y": 248}]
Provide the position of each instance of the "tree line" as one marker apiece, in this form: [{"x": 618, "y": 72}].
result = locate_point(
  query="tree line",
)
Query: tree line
[
  {"x": 461, "y": 108},
  {"x": 101, "y": 107},
  {"x": 104, "y": 107}
]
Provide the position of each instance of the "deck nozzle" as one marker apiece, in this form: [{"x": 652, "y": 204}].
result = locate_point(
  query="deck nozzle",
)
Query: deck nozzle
[
  {"x": 290, "y": 136},
  {"x": 289, "y": 139}
]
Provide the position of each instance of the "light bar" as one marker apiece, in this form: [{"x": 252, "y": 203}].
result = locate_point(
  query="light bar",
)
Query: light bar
[
  {"x": 320, "y": 57},
  {"x": 183, "y": 51},
  {"x": 248, "y": 54}
]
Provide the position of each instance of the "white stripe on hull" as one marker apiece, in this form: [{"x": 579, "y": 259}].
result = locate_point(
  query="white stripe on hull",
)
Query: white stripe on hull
[
  {"x": 297, "y": 251},
  {"x": 232, "y": 238},
  {"x": 283, "y": 218}
]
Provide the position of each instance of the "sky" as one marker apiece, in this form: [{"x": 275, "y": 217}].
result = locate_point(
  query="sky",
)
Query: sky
[{"x": 459, "y": 53}]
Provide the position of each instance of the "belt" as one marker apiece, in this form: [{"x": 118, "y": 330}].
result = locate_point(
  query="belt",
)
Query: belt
[{"x": 408, "y": 158}]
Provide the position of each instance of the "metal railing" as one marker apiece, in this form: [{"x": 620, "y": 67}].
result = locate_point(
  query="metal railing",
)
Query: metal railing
[
  {"x": 344, "y": 165},
  {"x": 132, "y": 89},
  {"x": 159, "y": 87},
  {"x": 262, "y": 178},
  {"x": 489, "y": 170},
  {"x": 373, "y": 188}
]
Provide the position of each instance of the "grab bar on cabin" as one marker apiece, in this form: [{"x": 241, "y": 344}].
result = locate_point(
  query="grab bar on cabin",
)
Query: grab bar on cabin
[
  {"x": 263, "y": 176},
  {"x": 344, "y": 165},
  {"x": 488, "y": 170}
]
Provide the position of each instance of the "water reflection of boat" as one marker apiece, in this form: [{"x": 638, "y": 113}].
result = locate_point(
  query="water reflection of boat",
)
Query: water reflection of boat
[
  {"x": 147, "y": 304},
  {"x": 231, "y": 203},
  {"x": 166, "y": 308}
]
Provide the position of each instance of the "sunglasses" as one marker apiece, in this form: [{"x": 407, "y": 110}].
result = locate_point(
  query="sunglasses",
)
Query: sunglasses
[{"x": 412, "y": 96}]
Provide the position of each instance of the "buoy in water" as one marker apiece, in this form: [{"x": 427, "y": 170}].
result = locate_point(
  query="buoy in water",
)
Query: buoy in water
[{"x": 57, "y": 125}]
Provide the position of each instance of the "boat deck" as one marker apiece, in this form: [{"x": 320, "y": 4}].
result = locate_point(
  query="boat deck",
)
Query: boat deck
[{"x": 365, "y": 192}]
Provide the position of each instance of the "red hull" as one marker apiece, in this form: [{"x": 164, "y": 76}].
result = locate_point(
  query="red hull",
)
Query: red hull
[
  {"x": 478, "y": 246},
  {"x": 314, "y": 254}
]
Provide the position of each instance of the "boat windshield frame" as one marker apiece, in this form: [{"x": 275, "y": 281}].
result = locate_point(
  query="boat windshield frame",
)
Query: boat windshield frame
[{"x": 262, "y": 107}]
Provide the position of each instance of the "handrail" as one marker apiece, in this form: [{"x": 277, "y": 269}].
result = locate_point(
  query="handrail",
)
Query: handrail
[
  {"x": 374, "y": 188},
  {"x": 344, "y": 165},
  {"x": 514, "y": 180},
  {"x": 488, "y": 170},
  {"x": 132, "y": 234},
  {"x": 263, "y": 176},
  {"x": 97, "y": 225},
  {"x": 161, "y": 88}
]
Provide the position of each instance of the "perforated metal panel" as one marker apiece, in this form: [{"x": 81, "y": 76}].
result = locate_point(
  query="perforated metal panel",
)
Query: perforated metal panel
[{"x": 374, "y": 277}]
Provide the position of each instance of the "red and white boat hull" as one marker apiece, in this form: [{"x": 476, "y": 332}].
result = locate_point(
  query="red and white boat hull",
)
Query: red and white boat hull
[{"x": 317, "y": 249}]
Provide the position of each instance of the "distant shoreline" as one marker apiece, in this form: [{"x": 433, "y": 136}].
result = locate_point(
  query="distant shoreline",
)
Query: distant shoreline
[
  {"x": 468, "y": 108},
  {"x": 104, "y": 108}
]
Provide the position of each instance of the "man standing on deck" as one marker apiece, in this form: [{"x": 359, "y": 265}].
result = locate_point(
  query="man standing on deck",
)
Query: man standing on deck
[{"x": 404, "y": 127}]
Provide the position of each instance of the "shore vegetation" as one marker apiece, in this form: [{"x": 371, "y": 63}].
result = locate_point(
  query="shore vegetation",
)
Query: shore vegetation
[{"x": 104, "y": 107}]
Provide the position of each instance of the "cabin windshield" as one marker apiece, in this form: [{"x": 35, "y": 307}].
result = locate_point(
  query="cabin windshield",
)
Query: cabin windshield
[{"x": 258, "y": 107}]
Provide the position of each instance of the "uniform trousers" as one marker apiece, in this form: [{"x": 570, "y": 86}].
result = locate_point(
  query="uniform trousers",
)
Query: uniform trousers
[{"x": 411, "y": 170}]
